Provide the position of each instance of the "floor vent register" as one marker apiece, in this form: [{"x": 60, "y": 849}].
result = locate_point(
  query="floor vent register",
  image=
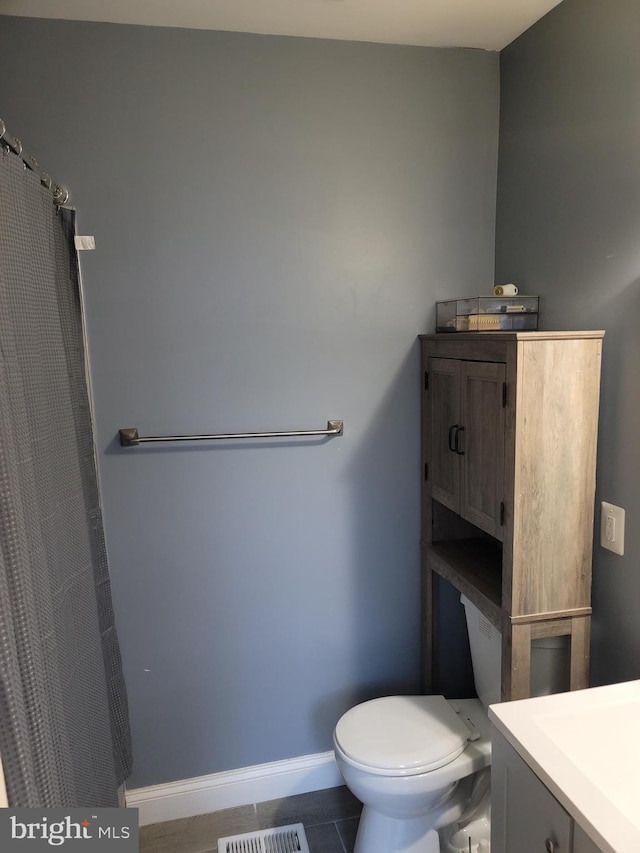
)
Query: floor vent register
[{"x": 284, "y": 839}]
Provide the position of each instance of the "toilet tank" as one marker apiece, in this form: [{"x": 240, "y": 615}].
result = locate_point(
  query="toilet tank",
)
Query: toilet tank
[{"x": 549, "y": 659}]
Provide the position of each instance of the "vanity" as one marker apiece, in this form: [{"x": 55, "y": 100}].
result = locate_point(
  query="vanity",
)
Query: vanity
[{"x": 564, "y": 775}]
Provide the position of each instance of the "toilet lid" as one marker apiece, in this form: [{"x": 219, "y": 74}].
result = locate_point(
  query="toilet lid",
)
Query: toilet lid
[{"x": 406, "y": 733}]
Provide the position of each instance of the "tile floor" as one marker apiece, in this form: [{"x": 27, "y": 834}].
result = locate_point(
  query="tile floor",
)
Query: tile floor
[{"x": 330, "y": 821}]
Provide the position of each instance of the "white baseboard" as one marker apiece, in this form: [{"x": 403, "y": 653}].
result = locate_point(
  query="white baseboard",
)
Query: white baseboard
[{"x": 231, "y": 788}]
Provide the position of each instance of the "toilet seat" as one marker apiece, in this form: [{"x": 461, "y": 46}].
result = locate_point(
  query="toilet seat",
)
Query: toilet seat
[{"x": 401, "y": 735}]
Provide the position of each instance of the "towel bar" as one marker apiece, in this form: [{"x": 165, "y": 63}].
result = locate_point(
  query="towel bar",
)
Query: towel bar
[{"x": 130, "y": 438}]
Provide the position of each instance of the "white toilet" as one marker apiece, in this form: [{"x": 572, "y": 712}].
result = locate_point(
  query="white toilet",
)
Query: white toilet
[{"x": 421, "y": 763}]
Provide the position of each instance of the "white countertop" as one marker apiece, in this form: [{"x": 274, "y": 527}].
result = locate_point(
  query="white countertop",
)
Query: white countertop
[{"x": 585, "y": 747}]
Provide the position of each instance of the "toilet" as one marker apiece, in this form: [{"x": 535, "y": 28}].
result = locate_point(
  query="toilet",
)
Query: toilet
[{"x": 421, "y": 764}]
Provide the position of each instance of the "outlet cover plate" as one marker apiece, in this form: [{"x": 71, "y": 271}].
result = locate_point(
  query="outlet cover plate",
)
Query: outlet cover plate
[{"x": 612, "y": 528}]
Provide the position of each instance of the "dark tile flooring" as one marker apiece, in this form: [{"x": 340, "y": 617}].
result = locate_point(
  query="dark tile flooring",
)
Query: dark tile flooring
[{"x": 330, "y": 821}]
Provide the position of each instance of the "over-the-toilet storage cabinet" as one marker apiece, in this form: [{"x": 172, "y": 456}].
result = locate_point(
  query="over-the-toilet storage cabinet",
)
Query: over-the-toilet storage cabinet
[{"x": 509, "y": 432}]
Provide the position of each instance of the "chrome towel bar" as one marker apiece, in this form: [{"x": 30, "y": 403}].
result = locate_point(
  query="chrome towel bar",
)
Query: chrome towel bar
[{"x": 130, "y": 438}]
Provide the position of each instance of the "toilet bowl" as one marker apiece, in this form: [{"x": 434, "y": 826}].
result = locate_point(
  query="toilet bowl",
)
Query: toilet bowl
[
  {"x": 420, "y": 765},
  {"x": 412, "y": 761}
]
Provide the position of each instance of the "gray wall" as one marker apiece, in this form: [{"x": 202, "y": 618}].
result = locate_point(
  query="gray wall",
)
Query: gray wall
[
  {"x": 274, "y": 220},
  {"x": 568, "y": 227}
]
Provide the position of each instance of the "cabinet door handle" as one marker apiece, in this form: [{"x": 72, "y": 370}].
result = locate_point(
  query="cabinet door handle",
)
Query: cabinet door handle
[
  {"x": 451, "y": 431},
  {"x": 550, "y": 845},
  {"x": 456, "y": 442}
]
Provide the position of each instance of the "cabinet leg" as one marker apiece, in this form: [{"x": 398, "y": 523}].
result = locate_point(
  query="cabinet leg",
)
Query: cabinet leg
[
  {"x": 429, "y": 623},
  {"x": 516, "y": 661},
  {"x": 579, "y": 653}
]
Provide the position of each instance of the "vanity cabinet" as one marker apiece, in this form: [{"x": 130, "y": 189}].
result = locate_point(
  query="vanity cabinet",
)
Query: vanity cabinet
[
  {"x": 509, "y": 431},
  {"x": 525, "y": 816},
  {"x": 581, "y": 841},
  {"x": 570, "y": 759}
]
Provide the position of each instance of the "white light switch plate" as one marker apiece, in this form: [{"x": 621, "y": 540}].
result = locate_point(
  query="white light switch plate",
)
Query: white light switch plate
[{"x": 612, "y": 528}]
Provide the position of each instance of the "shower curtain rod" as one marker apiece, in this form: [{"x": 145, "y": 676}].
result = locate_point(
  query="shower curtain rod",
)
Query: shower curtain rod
[{"x": 60, "y": 193}]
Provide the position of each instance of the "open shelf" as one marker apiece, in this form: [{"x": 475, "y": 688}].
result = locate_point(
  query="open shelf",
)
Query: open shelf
[{"x": 474, "y": 567}]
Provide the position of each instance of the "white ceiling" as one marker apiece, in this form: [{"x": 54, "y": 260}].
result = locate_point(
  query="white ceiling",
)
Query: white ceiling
[{"x": 488, "y": 24}]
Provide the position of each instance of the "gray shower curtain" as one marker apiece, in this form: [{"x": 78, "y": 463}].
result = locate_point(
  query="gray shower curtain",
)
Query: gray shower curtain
[{"x": 64, "y": 732}]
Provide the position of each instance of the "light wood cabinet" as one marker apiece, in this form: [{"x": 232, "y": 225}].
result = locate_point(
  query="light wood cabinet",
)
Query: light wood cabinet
[{"x": 509, "y": 431}]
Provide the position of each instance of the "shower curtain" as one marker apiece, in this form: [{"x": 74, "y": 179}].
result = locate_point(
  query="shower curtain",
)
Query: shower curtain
[{"x": 64, "y": 731}]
